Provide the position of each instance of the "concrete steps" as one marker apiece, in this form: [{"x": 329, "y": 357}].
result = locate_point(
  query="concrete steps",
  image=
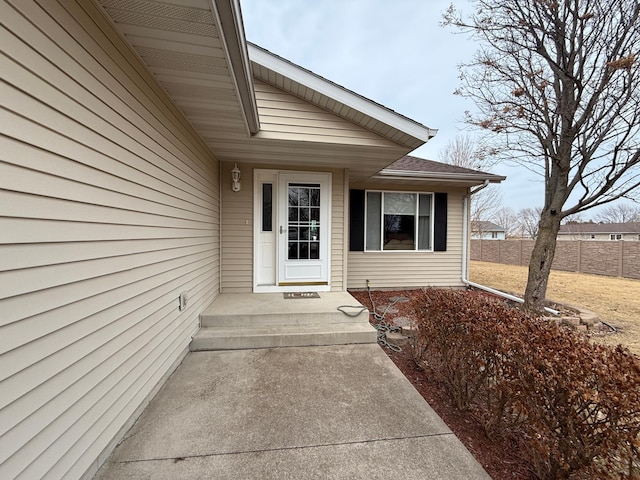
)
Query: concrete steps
[
  {"x": 284, "y": 318},
  {"x": 249, "y": 321},
  {"x": 265, "y": 336}
]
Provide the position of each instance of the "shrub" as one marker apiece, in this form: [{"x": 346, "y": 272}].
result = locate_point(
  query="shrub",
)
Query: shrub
[{"x": 573, "y": 406}]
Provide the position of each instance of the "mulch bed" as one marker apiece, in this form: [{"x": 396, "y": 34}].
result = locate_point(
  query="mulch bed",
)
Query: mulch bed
[{"x": 498, "y": 457}]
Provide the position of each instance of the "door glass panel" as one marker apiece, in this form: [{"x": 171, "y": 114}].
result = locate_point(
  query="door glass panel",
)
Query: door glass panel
[
  {"x": 304, "y": 250},
  {"x": 267, "y": 207},
  {"x": 314, "y": 250},
  {"x": 314, "y": 199},
  {"x": 293, "y": 197},
  {"x": 304, "y": 221},
  {"x": 303, "y": 197},
  {"x": 293, "y": 251}
]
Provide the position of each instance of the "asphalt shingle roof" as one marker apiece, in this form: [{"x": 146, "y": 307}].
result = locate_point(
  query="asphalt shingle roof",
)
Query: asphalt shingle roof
[
  {"x": 486, "y": 226},
  {"x": 415, "y": 164},
  {"x": 586, "y": 228}
]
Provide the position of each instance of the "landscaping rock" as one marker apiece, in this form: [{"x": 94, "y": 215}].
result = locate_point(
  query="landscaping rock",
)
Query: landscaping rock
[{"x": 572, "y": 322}]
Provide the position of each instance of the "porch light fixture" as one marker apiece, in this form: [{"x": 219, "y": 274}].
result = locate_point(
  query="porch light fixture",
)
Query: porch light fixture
[{"x": 235, "y": 178}]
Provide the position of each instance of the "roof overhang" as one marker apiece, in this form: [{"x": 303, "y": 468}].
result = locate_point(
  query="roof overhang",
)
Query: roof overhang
[
  {"x": 233, "y": 39},
  {"x": 344, "y": 102},
  {"x": 197, "y": 52},
  {"x": 455, "y": 179}
]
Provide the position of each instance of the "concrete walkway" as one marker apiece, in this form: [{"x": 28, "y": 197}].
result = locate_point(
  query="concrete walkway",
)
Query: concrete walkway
[{"x": 290, "y": 413}]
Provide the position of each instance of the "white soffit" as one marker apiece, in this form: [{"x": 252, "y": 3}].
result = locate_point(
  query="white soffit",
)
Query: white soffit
[
  {"x": 290, "y": 77},
  {"x": 197, "y": 52}
]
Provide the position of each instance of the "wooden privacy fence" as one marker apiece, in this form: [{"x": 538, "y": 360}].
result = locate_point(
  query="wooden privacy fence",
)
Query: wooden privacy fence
[{"x": 610, "y": 258}]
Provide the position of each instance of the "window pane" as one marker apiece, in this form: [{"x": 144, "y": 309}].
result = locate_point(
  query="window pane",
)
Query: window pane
[
  {"x": 399, "y": 232},
  {"x": 315, "y": 197},
  {"x": 293, "y": 197},
  {"x": 304, "y": 251},
  {"x": 267, "y": 210},
  {"x": 425, "y": 204},
  {"x": 424, "y": 233},
  {"x": 303, "y": 197},
  {"x": 400, "y": 203},
  {"x": 314, "y": 252},
  {"x": 374, "y": 205},
  {"x": 424, "y": 222}
]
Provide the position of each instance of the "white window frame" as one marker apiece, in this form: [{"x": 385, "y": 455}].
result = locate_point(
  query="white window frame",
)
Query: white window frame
[
  {"x": 615, "y": 236},
  {"x": 417, "y": 215}
]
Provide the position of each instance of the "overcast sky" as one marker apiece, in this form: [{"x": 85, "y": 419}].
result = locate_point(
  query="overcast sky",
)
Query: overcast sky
[{"x": 392, "y": 52}]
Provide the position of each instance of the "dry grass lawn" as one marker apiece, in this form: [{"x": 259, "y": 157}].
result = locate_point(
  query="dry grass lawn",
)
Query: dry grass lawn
[{"x": 614, "y": 300}]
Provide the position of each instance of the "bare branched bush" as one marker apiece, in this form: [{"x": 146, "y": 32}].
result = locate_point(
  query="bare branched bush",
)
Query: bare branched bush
[{"x": 573, "y": 406}]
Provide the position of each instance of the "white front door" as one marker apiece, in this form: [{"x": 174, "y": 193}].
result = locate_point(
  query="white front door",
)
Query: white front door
[{"x": 292, "y": 231}]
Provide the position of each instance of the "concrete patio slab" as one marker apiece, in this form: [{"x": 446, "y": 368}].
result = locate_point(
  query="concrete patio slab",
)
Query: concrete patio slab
[{"x": 313, "y": 412}]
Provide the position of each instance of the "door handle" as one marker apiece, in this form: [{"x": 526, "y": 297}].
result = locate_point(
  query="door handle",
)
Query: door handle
[{"x": 282, "y": 230}]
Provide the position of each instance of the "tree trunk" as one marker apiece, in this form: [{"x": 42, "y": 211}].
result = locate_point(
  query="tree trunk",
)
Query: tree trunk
[{"x": 541, "y": 260}]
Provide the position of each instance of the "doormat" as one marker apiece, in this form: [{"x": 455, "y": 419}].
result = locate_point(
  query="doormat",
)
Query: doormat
[{"x": 301, "y": 295}]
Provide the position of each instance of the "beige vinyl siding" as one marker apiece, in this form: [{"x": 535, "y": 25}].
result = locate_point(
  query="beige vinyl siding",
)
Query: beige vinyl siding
[
  {"x": 627, "y": 237},
  {"x": 108, "y": 210},
  {"x": 236, "y": 255},
  {"x": 287, "y": 117},
  {"x": 237, "y": 228},
  {"x": 337, "y": 230},
  {"x": 397, "y": 269}
]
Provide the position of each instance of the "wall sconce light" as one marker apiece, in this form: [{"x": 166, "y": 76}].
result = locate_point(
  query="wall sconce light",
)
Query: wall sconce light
[{"x": 235, "y": 177}]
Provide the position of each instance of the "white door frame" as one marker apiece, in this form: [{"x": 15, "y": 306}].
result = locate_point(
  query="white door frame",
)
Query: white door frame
[{"x": 269, "y": 248}]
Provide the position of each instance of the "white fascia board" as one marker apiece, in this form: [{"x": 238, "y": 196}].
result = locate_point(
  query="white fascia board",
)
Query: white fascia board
[
  {"x": 339, "y": 94},
  {"x": 232, "y": 36},
  {"x": 440, "y": 177}
]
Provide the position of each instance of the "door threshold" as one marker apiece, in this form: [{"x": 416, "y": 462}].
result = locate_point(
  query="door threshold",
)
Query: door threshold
[{"x": 291, "y": 288}]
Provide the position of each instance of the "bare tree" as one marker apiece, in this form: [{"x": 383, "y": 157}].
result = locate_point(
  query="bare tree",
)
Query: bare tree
[
  {"x": 507, "y": 219},
  {"x": 528, "y": 219},
  {"x": 556, "y": 81},
  {"x": 620, "y": 213},
  {"x": 575, "y": 219},
  {"x": 485, "y": 203},
  {"x": 467, "y": 152}
]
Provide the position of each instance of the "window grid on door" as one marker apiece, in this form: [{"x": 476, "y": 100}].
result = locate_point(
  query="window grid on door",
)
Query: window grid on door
[{"x": 303, "y": 225}]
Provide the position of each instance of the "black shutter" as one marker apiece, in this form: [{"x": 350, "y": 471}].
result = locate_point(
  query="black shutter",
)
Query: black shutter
[
  {"x": 356, "y": 220},
  {"x": 440, "y": 222}
]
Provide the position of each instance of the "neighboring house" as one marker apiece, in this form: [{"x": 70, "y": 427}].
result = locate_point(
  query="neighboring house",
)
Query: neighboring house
[
  {"x": 148, "y": 151},
  {"x": 600, "y": 231},
  {"x": 484, "y": 230}
]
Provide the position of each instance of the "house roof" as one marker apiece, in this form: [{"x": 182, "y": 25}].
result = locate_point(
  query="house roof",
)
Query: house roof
[
  {"x": 198, "y": 54},
  {"x": 599, "y": 228},
  {"x": 410, "y": 167},
  {"x": 485, "y": 226}
]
